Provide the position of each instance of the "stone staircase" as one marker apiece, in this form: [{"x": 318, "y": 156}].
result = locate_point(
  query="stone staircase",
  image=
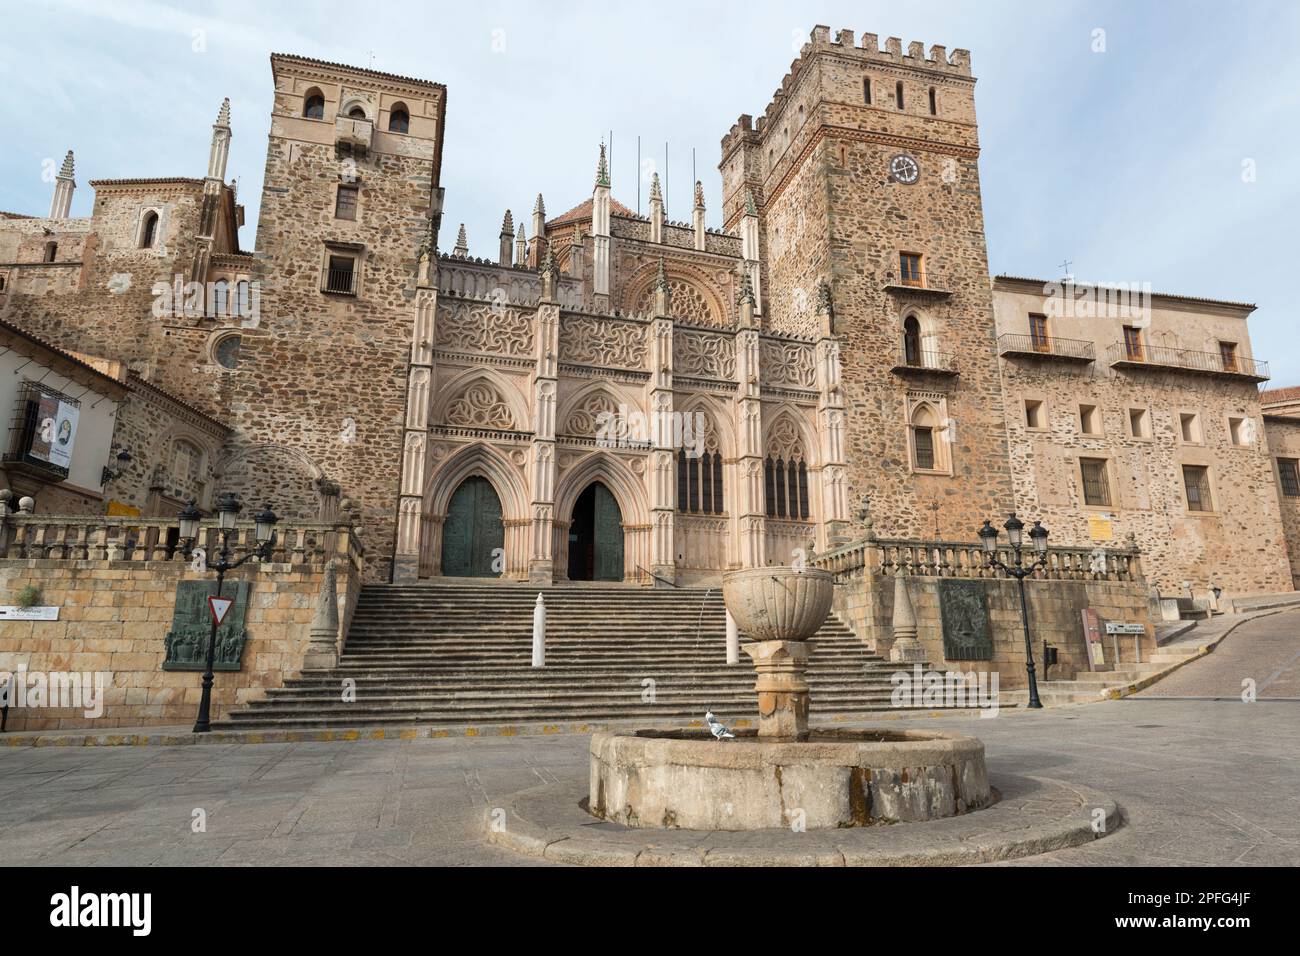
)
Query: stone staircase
[
  {"x": 1089, "y": 686},
  {"x": 460, "y": 654}
]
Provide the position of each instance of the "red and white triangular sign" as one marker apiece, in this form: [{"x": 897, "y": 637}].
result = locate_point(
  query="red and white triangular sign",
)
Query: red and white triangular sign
[{"x": 219, "y": 607}]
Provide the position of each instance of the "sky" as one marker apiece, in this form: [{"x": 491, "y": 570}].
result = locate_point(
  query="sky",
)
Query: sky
[{"x": 1141, "y": 141}]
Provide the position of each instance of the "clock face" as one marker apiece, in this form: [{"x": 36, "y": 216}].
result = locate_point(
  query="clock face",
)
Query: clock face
[{"x": 904, "y": 169}]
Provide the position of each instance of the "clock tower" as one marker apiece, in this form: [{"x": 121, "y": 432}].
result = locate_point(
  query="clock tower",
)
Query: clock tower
[{"x": 864, "y": 172}]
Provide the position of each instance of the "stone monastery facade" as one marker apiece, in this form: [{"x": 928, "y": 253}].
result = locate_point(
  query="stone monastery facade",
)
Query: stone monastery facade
[{"x": 621, "y": 397}]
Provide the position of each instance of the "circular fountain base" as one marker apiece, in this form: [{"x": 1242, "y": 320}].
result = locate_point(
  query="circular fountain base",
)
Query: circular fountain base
[{"x": 835, "y": 778}]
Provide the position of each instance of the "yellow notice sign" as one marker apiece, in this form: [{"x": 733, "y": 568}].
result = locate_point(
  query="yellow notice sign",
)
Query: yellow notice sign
[
  {"x": 117, "y": 509},
  {"x": 1100, "y": 528}
]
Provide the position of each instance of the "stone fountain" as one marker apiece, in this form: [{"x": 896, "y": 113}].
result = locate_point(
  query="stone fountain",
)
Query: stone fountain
[{"x": 783, "y": 774}]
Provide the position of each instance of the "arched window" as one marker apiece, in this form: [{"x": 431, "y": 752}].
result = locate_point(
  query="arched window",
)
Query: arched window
[
  {"x": 149, "y": 230},
  {"x": 51, "y": 250},
  {"x": 243, "y": 307},
  {"x": 219, "y": 298},
  {"x": 785, "y": 473},
  {"x": 313, "y": 106},
  {"x": 912, "y": 341},
  {"x": 699, "y": 481},
  {"x": 927, "y": 438},
  {"x": 399, "y": 120},
  {"x": 356, "y": 113}
]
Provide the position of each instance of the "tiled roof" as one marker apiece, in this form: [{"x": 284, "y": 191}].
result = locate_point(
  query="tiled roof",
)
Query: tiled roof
[
  {"x": 60, "y": 352},
  {"x": 1279, "y": 396},
  {"x": 355, "y": 69},
  {"x": 146, "y": 182},
  {"x": 1079, "y": 283},
  {"x": 583, "y": 211}
]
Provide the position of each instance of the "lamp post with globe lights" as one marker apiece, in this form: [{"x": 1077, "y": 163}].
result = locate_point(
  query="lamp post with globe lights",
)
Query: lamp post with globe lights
[
  {"x": 228, "y": 509},
  {"x": 1019, "y": 570}
]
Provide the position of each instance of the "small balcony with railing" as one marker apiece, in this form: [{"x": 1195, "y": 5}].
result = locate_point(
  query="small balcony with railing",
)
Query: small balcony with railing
[
  {"x": 923, "y": 363},
  {"x": 923, "y": 283},
  {"x": 353, "y": 135},
  {"x": 1046, "y": 348},
  {"x": 1223, "y": 364}
]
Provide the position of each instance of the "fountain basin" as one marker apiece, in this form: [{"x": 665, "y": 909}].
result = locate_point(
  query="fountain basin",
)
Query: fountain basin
[
  {"x": 834, "y": 778},
  {"x": 778, "y": 603}
]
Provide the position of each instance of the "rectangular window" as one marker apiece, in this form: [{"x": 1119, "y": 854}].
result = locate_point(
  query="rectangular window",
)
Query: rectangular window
[
  {"x": 1139, "y": 423},
  {"x": 1034, "y": 417},
  {"x": 1237, "y": 431},
  {"x": 1288, "y": 470},
  {"x": 1133, "y": 350},
  {"x": 1096, "y": 487},
  {"x": 934, "y": 104},
  {"x": 909, "y": 268},
  {"x": 1189, "y": 427},
  {"x": 341, "y": 275},
  {"x": 1228, "y": 355},
  {"x": 898, "y": 93},
  {"x": 866, "y": 90},
  {"x": 345, "y": 204},
  {"x": 1089, "y": 420},
  {"x": 924, "y": 441},
  {"x": 1196, "y": 478},
  {"x": 1038, "y": 333}
]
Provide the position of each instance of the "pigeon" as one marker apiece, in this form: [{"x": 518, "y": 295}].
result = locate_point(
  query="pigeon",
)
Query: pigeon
[{"x": 716, "y": 727}]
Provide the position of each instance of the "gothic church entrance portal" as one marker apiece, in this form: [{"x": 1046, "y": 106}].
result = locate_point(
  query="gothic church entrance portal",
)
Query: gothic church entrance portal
[
  {"x": 596, "y": 536},
  {"x": 474, "y": 534}
]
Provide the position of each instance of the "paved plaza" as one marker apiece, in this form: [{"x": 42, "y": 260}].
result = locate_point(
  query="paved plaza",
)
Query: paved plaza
[{"x": 1198, "y": 780}]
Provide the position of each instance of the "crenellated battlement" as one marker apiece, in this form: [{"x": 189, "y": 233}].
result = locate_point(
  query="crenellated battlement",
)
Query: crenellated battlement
[{"x": 869, "y": 50}]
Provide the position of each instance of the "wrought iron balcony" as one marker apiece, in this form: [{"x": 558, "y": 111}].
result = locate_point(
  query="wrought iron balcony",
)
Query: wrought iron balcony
[
  {"x": 340, "y": 281},
  {"x": 926, "y": 363},
  {"x": 928, "y": 283},
  {"x": 1046, "y": 347},
  {"x": 1131, "y": 356}
]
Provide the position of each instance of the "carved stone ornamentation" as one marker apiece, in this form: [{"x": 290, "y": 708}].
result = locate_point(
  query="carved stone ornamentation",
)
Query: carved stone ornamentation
[
  {"x": 788, "y": 363},
  {"x": 480, "y": 406},
  {"x": 702, "y": 355},
  {"x": 485, "y": 327},
  {"x": 585, "y": 340}
]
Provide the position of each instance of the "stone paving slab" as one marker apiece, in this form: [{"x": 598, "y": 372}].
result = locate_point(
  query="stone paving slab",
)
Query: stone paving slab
[{"x": 1034, "y": 815}]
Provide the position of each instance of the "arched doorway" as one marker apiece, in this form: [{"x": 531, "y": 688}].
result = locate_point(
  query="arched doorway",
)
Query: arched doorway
[
  {"x": 596, "y": 536},
  {"x": 473, "y": 537}
]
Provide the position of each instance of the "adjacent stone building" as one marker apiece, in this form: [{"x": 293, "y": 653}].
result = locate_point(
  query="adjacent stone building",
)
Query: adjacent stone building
[{"x": 613, "y": 396}]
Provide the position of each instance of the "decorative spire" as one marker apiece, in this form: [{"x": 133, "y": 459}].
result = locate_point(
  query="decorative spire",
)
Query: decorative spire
[
  {"x": 824, "y": 302},
  {"x": 426, "y": 242},
  {"x": 521, "y": 237},
  {"x": 602, "y": 168},
  {"x": 656, "y": 193},
  {"x": 699, "y": 194},
  {"x": 508, "y": 224},
  {"x": 462, "y": 244},
  {"x": 751, "y": 207},
  {"x": 66, "y": 171},
  {"x": 223, "y": 114},
  {"x": 746, "y": 286},
  {"x": 661, "y": 280},
  {"x": 550, "y": 266},
  {"x": 540, "y": 208}
]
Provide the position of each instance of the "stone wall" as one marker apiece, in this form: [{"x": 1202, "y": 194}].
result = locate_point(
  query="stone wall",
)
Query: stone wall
[
  {"x": 115, "y": 609},
  {"x": 1284, "y": 442},
  {"x": 865, "y": 588}
]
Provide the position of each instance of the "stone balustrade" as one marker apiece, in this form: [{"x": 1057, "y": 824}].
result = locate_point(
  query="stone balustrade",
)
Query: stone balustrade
[
  {"x": 27, "y": 535},
  {"x": 951, "y": 559}
]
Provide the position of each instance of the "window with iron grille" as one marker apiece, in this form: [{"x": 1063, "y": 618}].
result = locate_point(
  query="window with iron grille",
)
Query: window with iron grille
[
  {"x": 923, "y": 443},
  {"x": 1288, "y": 470},
  {"x": 341, "y": 276},
  {"x": 345, "y": 203},
  {"x": 786, "y": 484},
  {"x": 1196, "y": 478},
  {"x": 1096, "y": 487},
  {"x": 42, "y": 431}
]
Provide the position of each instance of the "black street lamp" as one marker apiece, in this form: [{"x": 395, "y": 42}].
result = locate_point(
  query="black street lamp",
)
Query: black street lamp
[
  {"x": 228, "y": 509},
  {"x": 1038, "y": 535}
]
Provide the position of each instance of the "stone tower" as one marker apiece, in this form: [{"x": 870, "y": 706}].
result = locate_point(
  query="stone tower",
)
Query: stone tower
[
  {"x": 350, "y": 201},
  {"x": 863, "y": 173}
]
